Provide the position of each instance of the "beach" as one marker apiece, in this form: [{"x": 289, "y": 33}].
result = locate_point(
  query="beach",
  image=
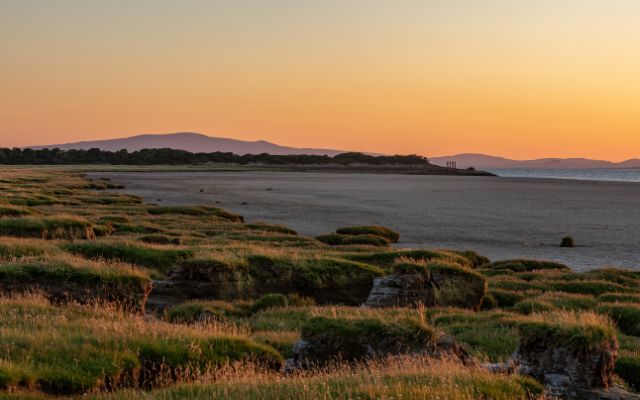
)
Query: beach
[{"x": 501, "y": 218}]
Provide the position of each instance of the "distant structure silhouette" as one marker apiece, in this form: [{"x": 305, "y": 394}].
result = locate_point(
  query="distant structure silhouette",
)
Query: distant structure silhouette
[{"x": 451, "y": 164}]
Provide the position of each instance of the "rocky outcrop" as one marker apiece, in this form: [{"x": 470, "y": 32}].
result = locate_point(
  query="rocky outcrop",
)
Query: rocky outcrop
[
  {"x": 327, "y": 340},
  {"x": 575, "y": 369},
  {"x": 400, "y": 290},
  {"x": 327, "y": 281},
  {"x": 435, "y": 284}
]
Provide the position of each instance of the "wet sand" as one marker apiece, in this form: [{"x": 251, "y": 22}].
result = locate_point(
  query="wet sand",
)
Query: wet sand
[{"x": 498, "y": 217}]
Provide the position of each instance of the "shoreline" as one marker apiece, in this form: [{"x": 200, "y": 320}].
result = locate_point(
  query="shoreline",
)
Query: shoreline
[{"x": 499, "y": 217}]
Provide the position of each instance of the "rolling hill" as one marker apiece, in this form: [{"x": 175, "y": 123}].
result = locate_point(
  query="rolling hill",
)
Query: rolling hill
[
  {"x": 482, "y": 161},
  {"x": 189, "y": 141}
]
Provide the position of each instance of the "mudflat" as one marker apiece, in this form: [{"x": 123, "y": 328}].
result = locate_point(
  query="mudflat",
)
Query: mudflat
[{"x": 498, "y": 217}]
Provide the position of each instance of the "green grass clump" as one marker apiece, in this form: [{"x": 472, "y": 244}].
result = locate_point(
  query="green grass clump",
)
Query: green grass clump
[
  {"x": 334, "y": 239},
  {"x": 78, "y": 281},
  {"x": 196, "y": 211},
  {"x": 14, "y": 211},
  {"x": 115, "y": 219},
  {"x": 474, "y": 258},
  {"x": 213, "y": 264},
  {"x": 527, "y": 307},
  {"x": 619, "y": 298},
  {"x": 588, "y": 287},
  {"x": 32, "y": 201},
  {"x": 295, "y": 300},
  {"x": 12, "y": 376},
  {"x": 620, "y": 276},
  {"x": 491, "y": 335},
  {"x": 111, "y": 199},
  {"x": 512, "y": 283},
  {"x": 394, "y": 378},
  {"x": 75, "y": 350},
  {"x": 457, "y": 286},
  {"x": 271, "y": 228},
  {"x": 204, "y": 311},
  {"x": 160, "y": 239},
  {"x": 62, "y": 227},
  {"x": 125, "y": 229},
  {"x": 18, "y": 248},
  {"x": 581, "y": 332},
  {"x": 505, "y": 298},
  {"x": 625, "y": 315},
  {"x": 391, "y": 235},
  {"x": 408, "y": 268},
  {"x": 389, "y": 258},
  {"x": 523, "y": 266},
  {"x": 569, "y": 301},
  {"x": 271, "y": 300},
  {"x": 354, "y": 339},
  {"x": 158, "y": 259},
  {"x": 327, "y": 280},
  {"x": 366, "y": 240}
]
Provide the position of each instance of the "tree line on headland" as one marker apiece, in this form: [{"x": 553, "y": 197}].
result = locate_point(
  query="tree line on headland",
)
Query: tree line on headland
[{"x": 55, "y": 156}]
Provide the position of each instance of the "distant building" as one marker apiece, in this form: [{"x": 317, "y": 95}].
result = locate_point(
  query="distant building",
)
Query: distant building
[{"x": 451, "y": 164}]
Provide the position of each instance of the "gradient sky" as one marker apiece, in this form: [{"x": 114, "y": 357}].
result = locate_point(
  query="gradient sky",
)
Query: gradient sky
[{"x": 517, "y": 78}]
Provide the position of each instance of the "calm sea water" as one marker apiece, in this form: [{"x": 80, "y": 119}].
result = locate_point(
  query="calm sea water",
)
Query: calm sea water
[{"x": 595, "y": 174}]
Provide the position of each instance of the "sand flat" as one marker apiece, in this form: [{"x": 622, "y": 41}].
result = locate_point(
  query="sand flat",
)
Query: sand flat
[{"x": 499, "y": 217}]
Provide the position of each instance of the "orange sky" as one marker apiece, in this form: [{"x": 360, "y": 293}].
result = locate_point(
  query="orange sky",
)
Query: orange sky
[{"x": 515, "y": 78}]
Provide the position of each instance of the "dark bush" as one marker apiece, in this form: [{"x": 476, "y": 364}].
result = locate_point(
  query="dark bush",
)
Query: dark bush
[
  {"x": 567, "y": 241},
  {"x": 488, "y": 303}
]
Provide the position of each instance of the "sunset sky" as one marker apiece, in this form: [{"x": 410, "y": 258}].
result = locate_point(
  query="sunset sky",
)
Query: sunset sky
[{"x": 517, "y": 78}]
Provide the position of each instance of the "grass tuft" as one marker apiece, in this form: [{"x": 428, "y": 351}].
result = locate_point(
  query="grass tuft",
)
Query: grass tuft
[{"x": 380, "y": 231}]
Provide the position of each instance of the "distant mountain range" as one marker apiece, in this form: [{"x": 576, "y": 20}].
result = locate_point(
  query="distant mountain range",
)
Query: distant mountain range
[
  {"x": 484, "y": 162},
  {"x": 196, "y": 142},
  {"x": 189, "y": 141}
]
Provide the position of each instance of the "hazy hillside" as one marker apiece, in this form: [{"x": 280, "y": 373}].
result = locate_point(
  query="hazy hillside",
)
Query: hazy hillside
[
  {"x": 193, "y": 142},
  {"x": 483, "y": 161}
]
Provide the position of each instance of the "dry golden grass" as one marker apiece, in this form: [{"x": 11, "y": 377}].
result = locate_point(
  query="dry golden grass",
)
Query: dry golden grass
[
  {"x": 37, "y": 338},
  {"x": 392, "y": 378}
]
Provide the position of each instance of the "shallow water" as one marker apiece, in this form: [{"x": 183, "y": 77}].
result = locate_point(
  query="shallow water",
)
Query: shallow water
[
  {"x": 498, "y": 217},
  {"x": 588, "y": 174}
]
